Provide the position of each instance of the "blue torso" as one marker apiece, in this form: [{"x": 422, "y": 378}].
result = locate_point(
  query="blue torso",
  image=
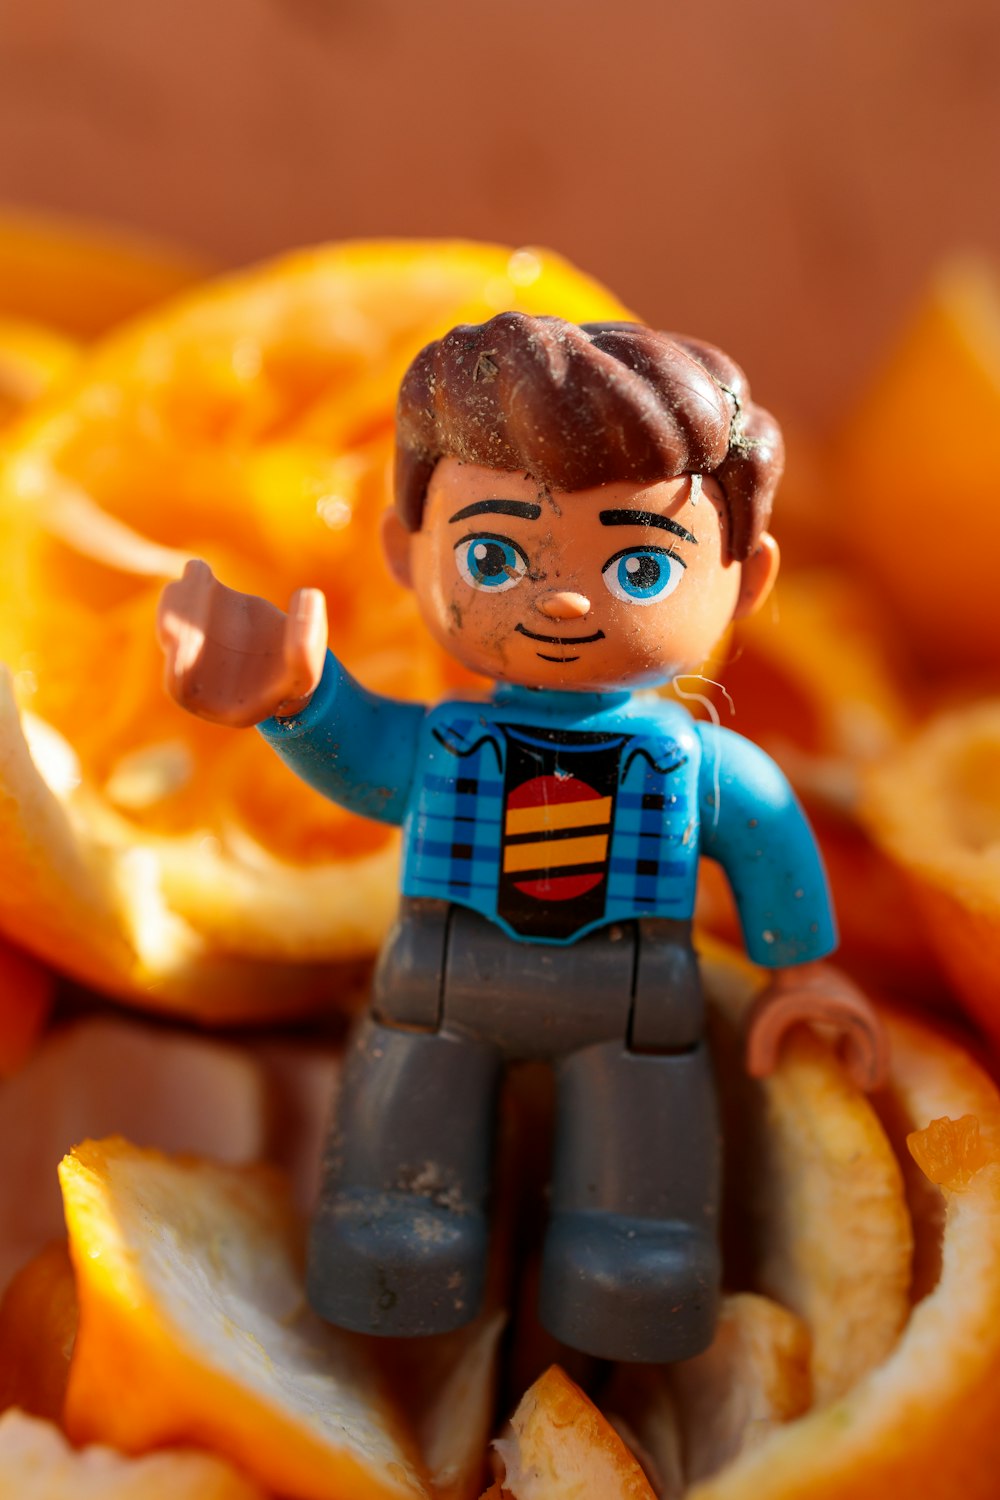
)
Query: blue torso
[{"x": 555, "y": 813}]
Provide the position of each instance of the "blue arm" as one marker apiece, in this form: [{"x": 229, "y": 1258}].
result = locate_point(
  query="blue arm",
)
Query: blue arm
[
  {"x": 353, "y": 746},
  {"x": 753, "y": 825}
]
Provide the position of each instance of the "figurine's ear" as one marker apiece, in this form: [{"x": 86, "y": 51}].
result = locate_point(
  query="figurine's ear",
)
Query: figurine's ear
[
  {"x": 758, "y": 575},
  {"x": 396, "y": 542}
]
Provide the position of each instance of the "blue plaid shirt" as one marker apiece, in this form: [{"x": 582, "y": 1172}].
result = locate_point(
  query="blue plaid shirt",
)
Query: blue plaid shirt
[{"x": 681, "y": 789}]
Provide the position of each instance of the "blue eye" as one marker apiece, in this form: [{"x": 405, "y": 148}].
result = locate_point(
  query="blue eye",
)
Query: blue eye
[
  {"x": 643, "y": 575},
  {"x": 490, "y": 562}
]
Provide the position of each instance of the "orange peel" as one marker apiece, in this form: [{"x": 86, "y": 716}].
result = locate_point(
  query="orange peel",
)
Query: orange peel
[
  {"x": 694, "y": 1418},
  {"x": 817, "y": 680},
  {"x": 32, "y": 358},
  {"x": 193, "y": 1329},
  {"x": 934, "y": 808},
  {"x": 925, "y": 1415},
  {"x": 37, "y": 1463},
  {"x": 80, "y": 280},
  {"x": 824, "y": 1228},
  {"x": 925, "y": 431},
  {"x": 104, "y": 1074},
  {"x": 38, "y": 1320},
  {"x": 250, "y": 423},
  {"x": 26, "y": 993},
  {"x": 561, "y": 1447}
]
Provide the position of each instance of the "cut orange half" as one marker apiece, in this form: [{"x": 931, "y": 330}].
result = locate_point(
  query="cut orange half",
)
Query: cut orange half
[{"x": 152, "y": 855}]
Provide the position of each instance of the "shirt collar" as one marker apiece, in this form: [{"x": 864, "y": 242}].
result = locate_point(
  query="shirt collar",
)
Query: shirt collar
[{"x": 567, "y": 704}]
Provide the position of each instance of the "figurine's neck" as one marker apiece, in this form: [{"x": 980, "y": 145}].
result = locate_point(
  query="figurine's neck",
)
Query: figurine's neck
[{"x": 559, "y": 702}]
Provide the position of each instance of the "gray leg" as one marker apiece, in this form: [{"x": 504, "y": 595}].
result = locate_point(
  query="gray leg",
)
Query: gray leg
[
  {"x": 398, "y": 1243},
  {"x": 631, "y": 1265}
]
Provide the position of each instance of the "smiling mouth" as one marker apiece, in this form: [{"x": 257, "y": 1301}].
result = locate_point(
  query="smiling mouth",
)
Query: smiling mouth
[{"x": 558, "y": 640}]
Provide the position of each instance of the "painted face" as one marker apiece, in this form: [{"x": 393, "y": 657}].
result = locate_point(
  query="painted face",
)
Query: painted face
[{"x": 613, "y": 586}]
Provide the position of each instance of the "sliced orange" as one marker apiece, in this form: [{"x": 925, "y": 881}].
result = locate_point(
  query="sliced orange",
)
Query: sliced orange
[
  {"x": 193, "y": 1329},
  {"x": 560, "y": 1447},
  {"x": 155, "y": 856},
  {"x": 37, "y": 1463},
  {"x": 79, "y": 279},
  {"x": 934, "y": 807},
  {"x": 925, "y": 436}
]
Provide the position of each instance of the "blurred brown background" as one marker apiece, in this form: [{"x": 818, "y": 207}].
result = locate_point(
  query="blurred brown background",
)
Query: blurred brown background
[{"x": 777, "y": 175}]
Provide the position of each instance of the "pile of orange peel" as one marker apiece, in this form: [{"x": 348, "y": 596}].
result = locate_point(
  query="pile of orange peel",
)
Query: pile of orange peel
[{"x": 185, "y": 930}]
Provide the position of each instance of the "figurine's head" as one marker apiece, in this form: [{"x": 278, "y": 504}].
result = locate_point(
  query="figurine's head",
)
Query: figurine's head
[{"x": 581, "y": 507}]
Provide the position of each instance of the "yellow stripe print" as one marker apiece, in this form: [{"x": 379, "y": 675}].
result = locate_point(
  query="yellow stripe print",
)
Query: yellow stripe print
[
  {"x": 550, "y": 854},
  {"x": 548, "y": 815}
]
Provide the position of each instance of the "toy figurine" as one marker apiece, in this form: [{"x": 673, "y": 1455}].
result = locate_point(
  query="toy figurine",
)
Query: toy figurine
[{"x": 581, "y": 512}]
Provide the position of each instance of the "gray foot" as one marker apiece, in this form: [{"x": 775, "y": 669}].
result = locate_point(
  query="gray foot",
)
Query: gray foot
[
  {"x": 395, "y": 1264},
  {"x": 629, "y": 1289}
]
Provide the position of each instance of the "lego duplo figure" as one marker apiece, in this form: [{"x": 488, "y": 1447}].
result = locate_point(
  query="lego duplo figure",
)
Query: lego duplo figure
[{"x": 581, "y": 511}]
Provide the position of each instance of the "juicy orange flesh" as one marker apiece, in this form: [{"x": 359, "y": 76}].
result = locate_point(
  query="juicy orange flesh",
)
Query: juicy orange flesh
[
  {"x": 253, "y": 428},
  {"x": 951, "y": 1152}
]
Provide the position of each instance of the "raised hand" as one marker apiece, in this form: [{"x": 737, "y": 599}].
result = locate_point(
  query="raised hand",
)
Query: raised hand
[
  {"x": 821, "y": 995},
  {"x": 235, "y": 659}
]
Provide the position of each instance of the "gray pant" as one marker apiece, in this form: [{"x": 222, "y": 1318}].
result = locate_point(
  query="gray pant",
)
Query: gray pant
[{"x": 399, "y": 1241}]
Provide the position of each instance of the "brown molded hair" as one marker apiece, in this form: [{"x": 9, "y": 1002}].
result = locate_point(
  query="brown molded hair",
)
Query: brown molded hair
[{"x": 578, "y": 405}]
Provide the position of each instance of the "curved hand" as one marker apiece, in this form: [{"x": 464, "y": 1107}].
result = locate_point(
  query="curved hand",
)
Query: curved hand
[
  {"x": 820, "y": 994},
  {"x": 235, "y": 659}
]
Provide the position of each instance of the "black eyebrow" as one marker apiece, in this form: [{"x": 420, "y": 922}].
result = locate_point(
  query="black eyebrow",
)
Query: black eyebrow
[
  {"x": 644, "y": 518},
  {"x": 523, "y": 508}
]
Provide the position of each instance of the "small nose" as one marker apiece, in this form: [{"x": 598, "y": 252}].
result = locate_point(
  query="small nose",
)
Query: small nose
[{"x": 564, "y": 606}]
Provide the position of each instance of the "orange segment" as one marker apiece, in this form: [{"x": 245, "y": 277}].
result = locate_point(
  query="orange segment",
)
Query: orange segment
[
  {"x": 934, "y": 807},
  {"x": 250, "y": 424},
  {"x": 80, "y": 279},
  {"x": 37, "y": 1463},
  {"x": 926, "y": 432},
  {"x": 560, "y": 1447},
  {"x": 193, "y": 1329}
]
